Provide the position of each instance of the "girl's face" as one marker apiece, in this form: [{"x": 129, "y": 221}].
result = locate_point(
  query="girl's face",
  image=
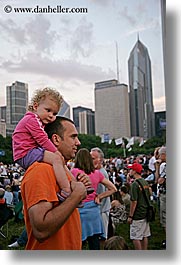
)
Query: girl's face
[{"x": 46, "y": 109}]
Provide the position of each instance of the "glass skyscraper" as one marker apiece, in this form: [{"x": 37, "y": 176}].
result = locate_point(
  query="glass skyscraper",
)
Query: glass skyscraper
[{"x": 140, "y": 92}]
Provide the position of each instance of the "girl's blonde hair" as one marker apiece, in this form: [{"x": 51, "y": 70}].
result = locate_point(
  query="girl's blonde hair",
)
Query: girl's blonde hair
[
  {"x": 41, "y": 94},
  {"x": 116, "y": 243}
]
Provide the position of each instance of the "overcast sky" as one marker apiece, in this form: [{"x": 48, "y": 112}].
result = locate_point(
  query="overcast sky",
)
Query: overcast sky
[{"x": 71, "y": 52}]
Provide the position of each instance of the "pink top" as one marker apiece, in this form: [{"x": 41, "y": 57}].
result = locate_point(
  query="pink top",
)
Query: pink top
[
  {"x": 28, "y": 134},
  {"x": 96, "y": 177}
]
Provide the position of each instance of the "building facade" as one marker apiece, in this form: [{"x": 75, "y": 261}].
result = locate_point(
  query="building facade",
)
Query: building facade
[
  {"x": 84, "y": 119},
  {"x": 64, "y": 110},
  {"x": 16, "y": 104},
  {"x": 160, "y": 123},
  {"x": 140, "y": 92},
  {"x": 112, "y": 109}
]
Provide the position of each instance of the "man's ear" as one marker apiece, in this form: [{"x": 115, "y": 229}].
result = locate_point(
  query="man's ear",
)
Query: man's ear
[{"x": 56, "y": 139}]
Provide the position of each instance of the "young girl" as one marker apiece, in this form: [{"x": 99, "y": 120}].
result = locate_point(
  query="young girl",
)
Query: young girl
[{"x": 30, "y": 141}]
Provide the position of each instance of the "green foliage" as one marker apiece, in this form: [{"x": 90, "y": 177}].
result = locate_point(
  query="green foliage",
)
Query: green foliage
[
  {"x": 6, "y": 145},
  {"x": 90, "y": 141},
  {"x": 111, "y": 150}
]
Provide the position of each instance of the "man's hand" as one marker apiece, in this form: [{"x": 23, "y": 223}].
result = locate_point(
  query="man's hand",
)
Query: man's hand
[
  {"x": 79, "y": 188},
  {"x": 82, "y": 177}
]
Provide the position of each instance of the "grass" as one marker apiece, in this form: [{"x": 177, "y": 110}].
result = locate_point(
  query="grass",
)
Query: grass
[
  {"x": 15, "y": 229},
  {"x": 157, "y": 234}
]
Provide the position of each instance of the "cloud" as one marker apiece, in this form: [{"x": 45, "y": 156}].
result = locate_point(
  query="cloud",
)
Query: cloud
[
  {"x": 13, "y": 32},
  {"x": 81, "y": 40},
  {"x": 39, "y": 34},
  {"x": 59, "y": 69},
  {"x": 152, "y": 24},
  {"x": 128, "y": 17},
  {"x": 138, "y": 20},
  {"x": 36, "y": 33}
]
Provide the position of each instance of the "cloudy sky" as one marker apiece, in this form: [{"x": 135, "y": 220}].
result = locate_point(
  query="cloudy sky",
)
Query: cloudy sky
[{"x": 72, "y": 51}]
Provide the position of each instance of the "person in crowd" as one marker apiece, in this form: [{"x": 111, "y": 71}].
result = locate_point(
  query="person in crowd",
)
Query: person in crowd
[
  {"x": 161, "y": 180},
  {"x": 8, "y": 195},
  {"x": 139, "y": 227},
  {"x": 105, "y": 206},
  {"x": 30, "y": 142},
  {"x": 91, "y": 220},
  {"x": 123, "y": 174},
  {"x": 152, "y": 160},
  {"x": 118, "y": 209},
  {"x": 119, "y": 163},
  {"x": 125, "y": 198},
  {"x": 52, "y": 225},
  {"x": 116, "y": 243},
  {"x": 15, "y": 187},
  {"x": 5, "y": 212}
]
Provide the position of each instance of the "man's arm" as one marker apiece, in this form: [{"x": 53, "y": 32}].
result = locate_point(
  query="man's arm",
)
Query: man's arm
[
  {"x": 132, "y": 210},
  {"x": 46, "y": 220}
]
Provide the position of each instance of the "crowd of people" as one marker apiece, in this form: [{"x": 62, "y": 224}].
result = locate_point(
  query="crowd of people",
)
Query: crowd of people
[
  {"x": 70, "y": 195},
  {"x": 97, "y": 211}
]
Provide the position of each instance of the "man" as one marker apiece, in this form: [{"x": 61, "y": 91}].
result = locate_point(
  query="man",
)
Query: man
[
  {"x": 98, "y": 157},
  {"x": 52, "y": 225},
  {"x": 139, "y": 227},
  {"x": 161, "y": 180}
]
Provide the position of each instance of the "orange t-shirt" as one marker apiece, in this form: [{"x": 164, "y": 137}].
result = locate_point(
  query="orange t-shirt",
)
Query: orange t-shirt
[{"x": 39, "y": 183}]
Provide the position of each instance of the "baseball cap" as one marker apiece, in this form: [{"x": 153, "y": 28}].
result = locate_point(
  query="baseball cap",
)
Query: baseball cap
[{"x": 136, "y": 167}]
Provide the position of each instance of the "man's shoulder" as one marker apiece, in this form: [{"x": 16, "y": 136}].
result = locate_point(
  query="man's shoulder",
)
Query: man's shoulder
[
  {"x": 104, "y": 172},
  {"x": 39, "y": 167}
]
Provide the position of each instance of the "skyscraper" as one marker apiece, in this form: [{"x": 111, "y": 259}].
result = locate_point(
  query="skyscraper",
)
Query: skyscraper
[
  {"x": 17, "y": 103},
  {"x": 112, "y": 109},
  {"x": 84, "y": 119},
  {"x": 64, "y": 110},
  {"x": 140, "y": 92}
]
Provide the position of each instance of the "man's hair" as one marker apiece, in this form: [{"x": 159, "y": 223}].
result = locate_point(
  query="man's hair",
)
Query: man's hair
[
  {"x": 56, "y": 127},
  {"x": 162, "y": 150},
  {"x": 41, "y": 94},
  {"x": 101, "y": 154}
]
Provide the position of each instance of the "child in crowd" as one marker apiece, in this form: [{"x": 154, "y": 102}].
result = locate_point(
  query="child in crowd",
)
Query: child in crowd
[
  {"x": 30, "y": 141},
  {"x": 116, "y": 243}
]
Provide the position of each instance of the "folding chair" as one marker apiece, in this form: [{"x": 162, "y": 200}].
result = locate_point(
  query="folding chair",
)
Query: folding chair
[
  {"x": 1, "y": 231},
  {"x": 5, "y": 215}
]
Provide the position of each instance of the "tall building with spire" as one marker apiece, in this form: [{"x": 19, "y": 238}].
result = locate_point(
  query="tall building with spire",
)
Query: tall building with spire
[{"x": 140, "y": 92}]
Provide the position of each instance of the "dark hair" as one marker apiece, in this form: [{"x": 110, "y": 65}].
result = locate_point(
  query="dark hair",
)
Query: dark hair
[
  {"x": 56, "y": 127},
  {"x": 124, "y": 189},
  {"x": 117, "y": 196},
  {"x": 83, "y": 161},
  {"x": 116, "y": 243}
]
